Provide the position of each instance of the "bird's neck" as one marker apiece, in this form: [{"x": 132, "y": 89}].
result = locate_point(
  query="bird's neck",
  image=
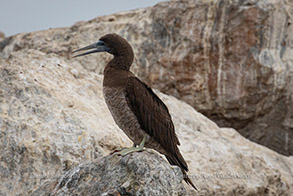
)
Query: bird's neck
[
  {"x": 117, "y": 71},
  {"x": 119, "y": 63}
]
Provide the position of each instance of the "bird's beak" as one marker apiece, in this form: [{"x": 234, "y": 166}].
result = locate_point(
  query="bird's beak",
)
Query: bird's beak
[{"x": 98, "y": 47}]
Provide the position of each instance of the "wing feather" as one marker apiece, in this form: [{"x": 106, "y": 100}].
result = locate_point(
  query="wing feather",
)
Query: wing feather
[{"x": 154, "y": 118}]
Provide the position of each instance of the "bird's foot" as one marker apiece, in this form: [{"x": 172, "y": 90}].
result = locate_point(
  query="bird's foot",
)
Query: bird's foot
[
  {"x": 134, "y": 148},
  {"x": 126, "y": 151},
  {"x": 122, "y": 149}
]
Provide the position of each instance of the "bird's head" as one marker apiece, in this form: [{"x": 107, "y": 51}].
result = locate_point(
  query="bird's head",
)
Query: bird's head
[{"x": 111, "y": 43}]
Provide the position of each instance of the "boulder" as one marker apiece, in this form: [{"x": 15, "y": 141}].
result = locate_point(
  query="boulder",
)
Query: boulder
[
  {"x": 54, "y": 121},
  {"x": 142, "y": 173},
  {"x": 230, "y": 60}
]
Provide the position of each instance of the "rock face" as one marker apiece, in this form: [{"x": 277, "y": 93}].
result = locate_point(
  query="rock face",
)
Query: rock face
[
  {"x": 53, "y": 120},
  {"x": 135, "y": 174},
  {"x": 231, "y": 60}
]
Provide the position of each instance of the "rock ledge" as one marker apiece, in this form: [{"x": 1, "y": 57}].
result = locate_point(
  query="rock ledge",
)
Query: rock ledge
[{"x": 143, "y": 173}]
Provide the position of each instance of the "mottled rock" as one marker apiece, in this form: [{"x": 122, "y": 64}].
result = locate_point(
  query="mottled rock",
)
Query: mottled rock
[
  {"x": 231, "y": 60},
  {"x": 53, "y": 118},
  {"x": 142, "y": 173}
]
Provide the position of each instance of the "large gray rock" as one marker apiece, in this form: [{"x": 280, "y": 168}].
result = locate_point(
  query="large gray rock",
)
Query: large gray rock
[
  {"x": 48, "y": 124},
  {"x": 231, "y": 60},
  {"x": 142, "y": 173},
  {"x": 53, "y": 118}
]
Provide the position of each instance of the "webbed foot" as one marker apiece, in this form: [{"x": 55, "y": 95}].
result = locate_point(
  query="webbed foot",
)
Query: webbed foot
[{"x": 134, "y": 148}]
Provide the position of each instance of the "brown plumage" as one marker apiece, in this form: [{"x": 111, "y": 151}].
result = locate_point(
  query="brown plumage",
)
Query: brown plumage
[{"x": 136, "y": 109}]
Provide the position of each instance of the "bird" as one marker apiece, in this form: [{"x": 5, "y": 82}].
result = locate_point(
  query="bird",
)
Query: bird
[{"x": 136, "y": 109}]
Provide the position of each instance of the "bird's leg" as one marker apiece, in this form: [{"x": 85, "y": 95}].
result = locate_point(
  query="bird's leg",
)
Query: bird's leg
[{"x": 126, "y": 151}]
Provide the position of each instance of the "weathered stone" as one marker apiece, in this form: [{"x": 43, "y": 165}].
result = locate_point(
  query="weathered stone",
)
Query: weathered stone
[
  {"x": 49, "y": 119},
  {"x": 53, "y": 118},
  {"x": 231, "y": 60},
  {"x": 142, "y": 173}
]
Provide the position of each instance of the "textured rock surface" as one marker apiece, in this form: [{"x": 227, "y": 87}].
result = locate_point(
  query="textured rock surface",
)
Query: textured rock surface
[
  {"x": 231, "y": 60},
  {"x": 53, "y": 118},
  {"x": 142, "y": 173},
  {"x": 49, "y": 119}
]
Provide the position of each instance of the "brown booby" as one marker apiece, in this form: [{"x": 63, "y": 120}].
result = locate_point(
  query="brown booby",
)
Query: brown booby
[{"x": 136, "y": 109}]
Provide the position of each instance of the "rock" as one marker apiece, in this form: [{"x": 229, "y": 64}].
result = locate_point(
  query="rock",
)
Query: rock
[
  {"x": 142, "y": 173},
  {"x": 230, "y": 60},
  {"x": 49, "y": 119},
  {"x": 53, "y": 120}
]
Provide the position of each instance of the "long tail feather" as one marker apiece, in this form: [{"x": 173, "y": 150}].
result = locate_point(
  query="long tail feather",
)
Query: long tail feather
[
  {"x": 187, "y": 179},
  {"x": 174, "y": 161}
]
